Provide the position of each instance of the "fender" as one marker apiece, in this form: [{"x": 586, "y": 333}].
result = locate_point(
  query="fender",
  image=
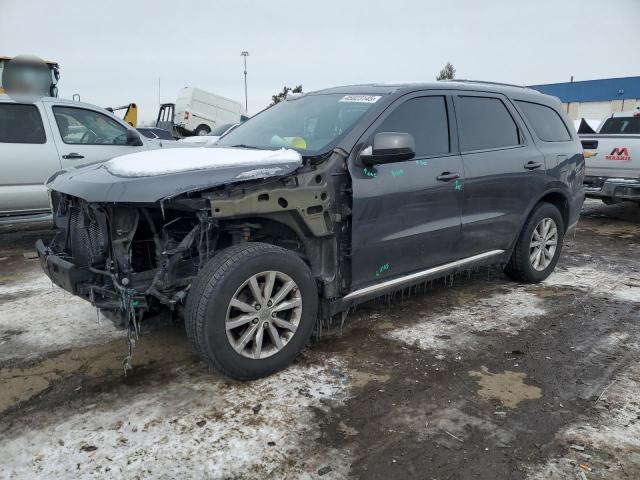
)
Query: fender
[{"x": 555, "y": 187}]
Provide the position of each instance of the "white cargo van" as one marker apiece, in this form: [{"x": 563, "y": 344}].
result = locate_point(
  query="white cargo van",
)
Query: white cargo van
[{"x": 198, "y": 112}]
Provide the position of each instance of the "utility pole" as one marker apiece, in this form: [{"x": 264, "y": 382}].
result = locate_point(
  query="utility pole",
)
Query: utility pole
[
  {"x": 245, "y": 54},
  {"x": 159, "y": 92}
]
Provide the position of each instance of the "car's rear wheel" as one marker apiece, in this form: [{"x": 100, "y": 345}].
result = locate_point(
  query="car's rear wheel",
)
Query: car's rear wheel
[
  {"x": 539, "y": 245},
  {"x": 251, "y": 310}
]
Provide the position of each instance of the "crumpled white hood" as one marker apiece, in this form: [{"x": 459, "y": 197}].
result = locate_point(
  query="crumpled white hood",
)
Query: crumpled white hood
[{"x": 175, "y": 160}]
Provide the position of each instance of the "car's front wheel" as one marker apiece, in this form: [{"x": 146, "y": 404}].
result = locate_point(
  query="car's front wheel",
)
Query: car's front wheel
[
  {"x": 538, "y": 247},
  {"x": 251, "y": 310}
]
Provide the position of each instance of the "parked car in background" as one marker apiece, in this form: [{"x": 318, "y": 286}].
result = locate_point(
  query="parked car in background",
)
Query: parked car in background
[
  {"x": 198, "y": 112},
  {"x": 40, "y": 138},
  {"x": 211, "y": 138},
  {"x": 154, "y": 132},
  {"x": 613, "y": 159},
  {"x": 317, "y": 204}
]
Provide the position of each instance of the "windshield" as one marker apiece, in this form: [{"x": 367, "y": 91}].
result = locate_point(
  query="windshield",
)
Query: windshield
[
  {"x": 308, "y": 124},
  {"x": 220, "y": 129},
  {"x": 621, "y": 125}
]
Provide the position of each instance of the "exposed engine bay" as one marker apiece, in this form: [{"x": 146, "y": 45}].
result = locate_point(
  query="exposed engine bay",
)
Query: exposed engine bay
[{"x": 133, "y": 258}]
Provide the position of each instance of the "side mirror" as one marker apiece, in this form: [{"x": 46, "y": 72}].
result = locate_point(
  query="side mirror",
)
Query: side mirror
[
  {"x": 133, "y": 139},
  {"x": 389, "y": 147}
]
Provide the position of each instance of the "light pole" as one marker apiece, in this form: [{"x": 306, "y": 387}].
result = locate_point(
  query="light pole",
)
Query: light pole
[{"x": 245, "y": 54}]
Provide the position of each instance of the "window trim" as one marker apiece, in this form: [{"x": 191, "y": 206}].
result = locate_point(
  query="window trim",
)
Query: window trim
[
  {"x": 533, "y": 130},
  {"x": 501, "y": 99},
  {"x": 53, "y": 110},
  {"x": 44, "y": 132}
]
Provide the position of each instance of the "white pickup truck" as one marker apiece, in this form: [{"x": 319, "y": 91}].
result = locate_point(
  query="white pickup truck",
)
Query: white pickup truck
[
  {"x": 37, "y": 139},
  {"x": 612, "y": 157}
]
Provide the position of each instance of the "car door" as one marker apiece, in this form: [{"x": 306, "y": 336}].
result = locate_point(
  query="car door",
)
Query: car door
[
  {"x": 406, "y": 215},
  {"x": 84, "y": 135},
  {"x": 28, "y": 157},
  {"x": 503, "y": 171}
]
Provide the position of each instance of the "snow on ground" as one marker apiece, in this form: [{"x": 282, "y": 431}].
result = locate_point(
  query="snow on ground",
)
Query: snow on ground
[
  {"x": 604, "y": 446},
  {"x": 507, "y": 312},
  {"x": 39, "y": 317},
  {"x": 195, "y": 427},
  {"x": 621, "y": 286},
  {"x": 160, "y": 162}
]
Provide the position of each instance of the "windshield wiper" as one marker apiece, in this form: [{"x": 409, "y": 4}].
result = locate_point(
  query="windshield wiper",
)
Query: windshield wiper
[{"x": 242, "y": 145}]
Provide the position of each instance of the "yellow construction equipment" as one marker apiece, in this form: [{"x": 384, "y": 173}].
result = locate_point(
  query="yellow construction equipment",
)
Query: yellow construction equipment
[
  {"x": 54, "y": 68},
  {"x": 131, "y": 114}
]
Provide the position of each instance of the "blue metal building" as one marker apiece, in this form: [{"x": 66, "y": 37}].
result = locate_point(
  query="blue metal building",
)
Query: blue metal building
[
  {"x": 624, "y": 88},
  {"x": 595, "y": 99}
]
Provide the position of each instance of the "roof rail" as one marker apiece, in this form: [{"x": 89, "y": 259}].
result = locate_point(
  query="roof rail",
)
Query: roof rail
[{"x": 461, "y": 80}]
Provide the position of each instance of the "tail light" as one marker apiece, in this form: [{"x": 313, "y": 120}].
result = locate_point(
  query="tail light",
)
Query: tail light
[{"x": 186, "y": 115}]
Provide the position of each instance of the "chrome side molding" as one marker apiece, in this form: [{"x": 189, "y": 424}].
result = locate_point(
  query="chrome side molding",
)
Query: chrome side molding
[{"x": 414, "y": 277}]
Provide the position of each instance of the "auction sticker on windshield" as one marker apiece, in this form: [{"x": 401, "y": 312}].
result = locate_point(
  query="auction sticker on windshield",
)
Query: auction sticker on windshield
[{"x": 360, "y": 98}]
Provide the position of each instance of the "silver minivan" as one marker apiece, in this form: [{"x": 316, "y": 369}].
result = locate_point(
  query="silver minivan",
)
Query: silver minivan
[{"x": 39, "y": 138}]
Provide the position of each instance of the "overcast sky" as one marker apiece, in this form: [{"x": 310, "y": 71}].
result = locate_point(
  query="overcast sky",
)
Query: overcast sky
[{"x": 112, "y": 52}]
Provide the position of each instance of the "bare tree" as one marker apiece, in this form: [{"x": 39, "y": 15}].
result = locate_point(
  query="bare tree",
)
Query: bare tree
[{"x": 447, "y": 73}]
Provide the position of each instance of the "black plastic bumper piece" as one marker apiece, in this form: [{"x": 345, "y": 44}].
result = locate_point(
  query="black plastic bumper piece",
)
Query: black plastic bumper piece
[{"x": 62, "y": 272}]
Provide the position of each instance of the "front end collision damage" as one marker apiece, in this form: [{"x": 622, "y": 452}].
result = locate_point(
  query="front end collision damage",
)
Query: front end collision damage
[{"x": 133, "y": 257}]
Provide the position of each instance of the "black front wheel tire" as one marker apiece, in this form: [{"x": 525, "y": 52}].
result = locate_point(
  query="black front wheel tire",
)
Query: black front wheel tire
[{"x": 251, "y": 310}]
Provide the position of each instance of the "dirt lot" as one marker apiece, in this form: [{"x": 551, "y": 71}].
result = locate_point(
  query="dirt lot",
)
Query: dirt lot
[{"x": 481, "y": 378}]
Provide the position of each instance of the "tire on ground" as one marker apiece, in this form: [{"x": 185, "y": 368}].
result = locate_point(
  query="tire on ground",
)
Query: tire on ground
[
  {"x": 215, "y": 286},
  {"x": 202, "y": 130},
  {"x": 520, "y": 267}
]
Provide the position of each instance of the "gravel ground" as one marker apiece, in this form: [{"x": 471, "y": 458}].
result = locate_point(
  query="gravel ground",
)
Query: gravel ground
[{"x": 481, "y": 378}]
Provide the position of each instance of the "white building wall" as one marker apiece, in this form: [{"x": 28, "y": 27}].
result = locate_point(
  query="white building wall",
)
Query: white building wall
[{"x": 599, "y": 110}]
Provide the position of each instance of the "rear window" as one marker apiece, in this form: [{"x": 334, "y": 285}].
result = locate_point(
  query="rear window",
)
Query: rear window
[
  {"x": 20, "y": 124},
  {"x": 147, "y": 132},
  {"x": 163, "y": 134},
  {"x": 486, "y": 123},
  {"x": 545, "y": 121},
  {"x": 621, "y": 125}
]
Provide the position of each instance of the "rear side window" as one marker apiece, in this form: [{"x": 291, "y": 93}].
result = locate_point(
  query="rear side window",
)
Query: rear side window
[
  {"x": 425, "y": 118},
  {"x": 545, "y": 121},
  {"x": 21, "y": 124},
  {"x": 485, "y": 123}
]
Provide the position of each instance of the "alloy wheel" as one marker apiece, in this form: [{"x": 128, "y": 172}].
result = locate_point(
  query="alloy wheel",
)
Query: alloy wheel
[
  {"x": 543, "y": 245},
  {"x": 263, "y": 315}
]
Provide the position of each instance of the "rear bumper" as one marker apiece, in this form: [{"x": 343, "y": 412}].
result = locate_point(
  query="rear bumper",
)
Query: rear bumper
[
  {"x": 62, "y": 272},
  {"x": 613, "y": 189}
]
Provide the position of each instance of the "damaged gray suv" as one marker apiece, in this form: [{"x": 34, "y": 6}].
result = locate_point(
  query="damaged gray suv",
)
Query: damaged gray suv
[{"x": 317, "y": 204}]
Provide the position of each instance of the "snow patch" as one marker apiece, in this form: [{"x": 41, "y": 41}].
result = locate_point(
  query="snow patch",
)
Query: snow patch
[
  {"x": 162, "y": 162},
  {"x": 39, "y": 317},
  {"x": 621, "y": 286},
  {"x": 196, "y": 427},
  {"x": 507, "y": 312},
  {"x": 611, "y": 441},
  {"x": 259, "y": 173}
]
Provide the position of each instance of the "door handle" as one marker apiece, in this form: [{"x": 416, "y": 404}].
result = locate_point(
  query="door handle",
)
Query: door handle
[
  {"x": 532, "y": 165},
  {"x": 72, "y": 156},
  {"x": 447, "y": 176}
]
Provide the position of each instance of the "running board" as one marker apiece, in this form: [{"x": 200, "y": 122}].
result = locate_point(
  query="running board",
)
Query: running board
[{"x": 395, "y": 283}]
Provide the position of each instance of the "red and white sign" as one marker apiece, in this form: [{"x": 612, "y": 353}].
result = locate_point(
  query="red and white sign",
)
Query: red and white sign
[{"x": 620, "y": 154}]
